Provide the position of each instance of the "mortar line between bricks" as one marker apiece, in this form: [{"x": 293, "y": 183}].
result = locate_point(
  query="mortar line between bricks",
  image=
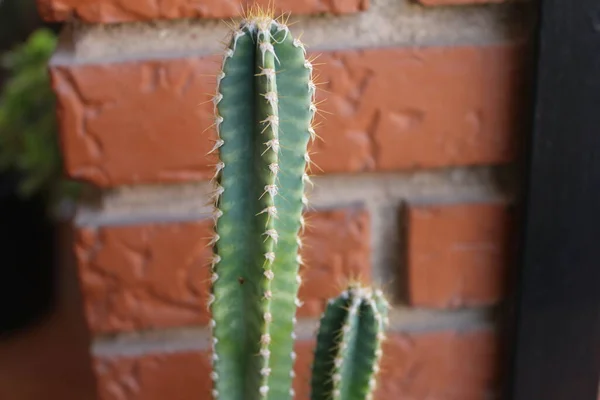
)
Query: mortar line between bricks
[
  {"x": 399, "y": 23},
  {"x": 63, "y": 57},
  {"x": 403, "y": 321},
  {"x": 386, "y": 254},
  {"x": 377, "y": 191}
]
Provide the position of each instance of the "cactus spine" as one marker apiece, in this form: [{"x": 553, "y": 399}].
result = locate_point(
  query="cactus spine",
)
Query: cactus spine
[
  {"x": 349, "y": 345},
  {"x": 264, "y": 111}
]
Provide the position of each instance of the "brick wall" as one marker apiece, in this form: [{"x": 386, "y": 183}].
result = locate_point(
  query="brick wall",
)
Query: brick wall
[{"x": 427, "y": 105}]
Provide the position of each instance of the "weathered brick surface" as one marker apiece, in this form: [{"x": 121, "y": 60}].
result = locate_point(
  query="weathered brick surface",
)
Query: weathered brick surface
[
  {"x": 441, "y": 365},
  {"x": 303, "y": 368},
  {"x": 336, "y": 248},
  {"x": 391, "y": 109},
  {"x": 135, "y": 122},
  {"x": 145, "y": 276},
  {"x": 180, "y": 376},
  {"x": 111, "y": 11},
  {"x": 458, "y": 255},
  {"x": 460, "y": 2},
  {"x": 157, "y": 275},
  {"x": 177, "y": 376},
  {"x": 395, "y": 109}
]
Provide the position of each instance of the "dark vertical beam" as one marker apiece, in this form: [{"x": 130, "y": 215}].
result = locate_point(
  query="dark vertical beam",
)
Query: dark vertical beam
[
  {"x": 27, "y": 258},
  {"x": 557, "y": 353}
]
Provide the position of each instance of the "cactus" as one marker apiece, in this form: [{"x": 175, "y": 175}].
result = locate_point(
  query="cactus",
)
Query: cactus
[
  {"x": 349, "y": 345},
  {"x": 264, "y": 110}
]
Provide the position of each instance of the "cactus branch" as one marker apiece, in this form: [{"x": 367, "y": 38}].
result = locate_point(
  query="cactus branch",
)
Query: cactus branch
[{"x": 349, "y": 346}]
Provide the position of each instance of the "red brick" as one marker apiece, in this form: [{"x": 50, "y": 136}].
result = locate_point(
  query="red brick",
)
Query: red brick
[
  {"x": 391, "y": 109},
  {"x": 458, "y": 255},
  {"x": 156, "y": 275},
  {"x": 460, "y": 2},
  {"x": 112, "y": 11},
  {"x": 405, "y": 108},
  {"x": 180, "y": 376},
  {"x": 145, "y": 276},
  {"x": 303, "y": 368},
  {"x": 336, "y": 248},
  {"x": 440, "y": 365},
  {"x": 177, "y": 376},
  {"x": 135, "y": 122}
]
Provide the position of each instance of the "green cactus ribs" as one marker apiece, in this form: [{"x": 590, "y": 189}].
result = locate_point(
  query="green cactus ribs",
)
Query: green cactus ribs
[
  {"x": 264, "y": 110},
  {"x": 349, "y": 345}
]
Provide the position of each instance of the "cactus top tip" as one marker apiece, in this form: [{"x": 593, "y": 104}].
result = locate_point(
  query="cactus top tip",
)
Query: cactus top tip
[
  {"x": 257, "y": 11},
  {"x": 262, "y": 18},
  {"x": 357, "y": 289}
]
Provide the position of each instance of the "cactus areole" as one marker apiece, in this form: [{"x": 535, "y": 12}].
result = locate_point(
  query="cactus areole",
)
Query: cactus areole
[{"x": 264, "y": 111}]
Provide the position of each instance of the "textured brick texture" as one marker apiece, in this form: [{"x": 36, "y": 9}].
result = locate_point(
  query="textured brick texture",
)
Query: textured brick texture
[
  {"x": 458, "y": 255},
  {"x": 391, "y": 109},
  {"x": 406, "y": 108},
  {"x": 135, "y": 122},
  {"x": 459, "y": 2},
  {"x": 177, "y": 376},
  {"x": 180, "y": 376},
  {"x": 336, "y": 248},
  {"x": 111, "y": 11},
  {"x": 157, "y": 275},
  {"x": 438, "y": 365},
  {"x": 148, "y": 121},
  {"x": 144, "y": 276}
]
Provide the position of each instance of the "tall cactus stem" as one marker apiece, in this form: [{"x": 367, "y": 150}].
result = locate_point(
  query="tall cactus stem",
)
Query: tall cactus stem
[{"x": 264, "y": 110}]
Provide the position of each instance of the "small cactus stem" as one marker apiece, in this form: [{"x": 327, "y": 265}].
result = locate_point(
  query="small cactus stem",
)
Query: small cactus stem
[
  {"x": 349, "y": 345},
  {"x": 263, "y": 119}
]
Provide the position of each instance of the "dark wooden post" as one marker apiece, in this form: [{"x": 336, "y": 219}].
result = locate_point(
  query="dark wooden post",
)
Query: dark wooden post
[
  {"x": 28, "y": 258},
  {"x": 557, "y": 352}
]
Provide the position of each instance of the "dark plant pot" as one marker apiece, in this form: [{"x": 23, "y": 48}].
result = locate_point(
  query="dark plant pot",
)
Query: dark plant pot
[{"x": 28, "y": 258}]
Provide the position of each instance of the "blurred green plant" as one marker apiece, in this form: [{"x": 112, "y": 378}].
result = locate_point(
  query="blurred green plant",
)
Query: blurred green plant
[{"x": 28, "y": 126}]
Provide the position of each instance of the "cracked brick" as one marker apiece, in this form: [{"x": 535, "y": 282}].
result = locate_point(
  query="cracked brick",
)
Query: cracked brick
[
  {"x": 145, "y": 276},
  {"x": 447, "y": 365},
  {"x": 461, "y": 2},
  {"x": 385, "y": 110},
  {"x": 157, "y": 275},
  {"x": 458, "y": 255},
  {"x": 115, "y": 11}
]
